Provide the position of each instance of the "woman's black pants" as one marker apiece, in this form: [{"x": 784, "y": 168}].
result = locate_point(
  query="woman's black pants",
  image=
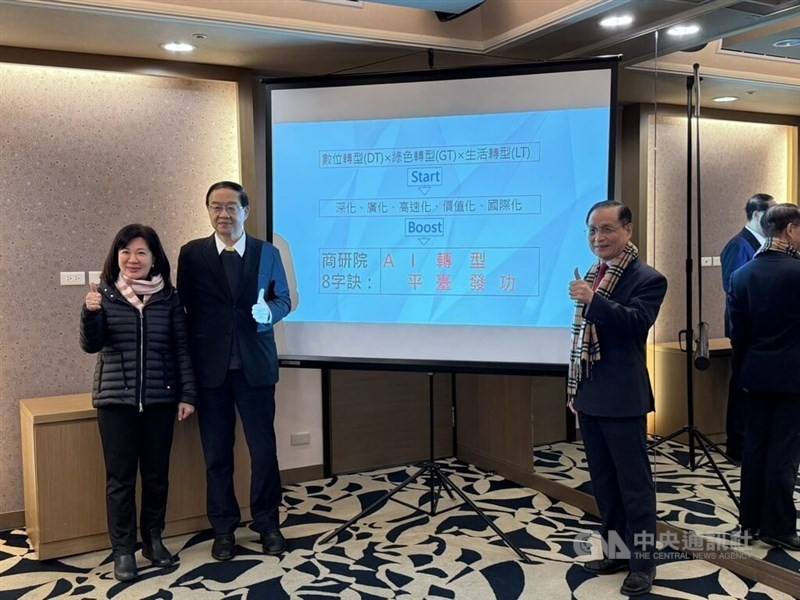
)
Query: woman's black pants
[{"x": 132, "y": 441}]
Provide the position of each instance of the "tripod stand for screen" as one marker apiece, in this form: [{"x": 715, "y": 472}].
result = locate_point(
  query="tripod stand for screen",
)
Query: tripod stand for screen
[
  {"x": 696, "y": 438},
  {"x": 438, "y": 481}
]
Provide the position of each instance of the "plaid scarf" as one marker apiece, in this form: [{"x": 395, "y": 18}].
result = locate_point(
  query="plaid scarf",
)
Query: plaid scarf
[
  {"x": 778, "y": 245},
  {"x": 131, "y": 289},
  {"x": 585, "y": 343}
]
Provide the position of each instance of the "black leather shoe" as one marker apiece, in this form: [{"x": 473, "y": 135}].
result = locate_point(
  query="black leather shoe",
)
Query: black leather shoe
[
  {"x": 638, "y": 583},
  {"x": 153, "y": 549},
  {"x": 125, "y": 567},
  {"x": 789, "y": 542},
  {"x": 273, "y": 542},
  {"x": 606, "y": 566},
  {"x": 224, "y": 547}
]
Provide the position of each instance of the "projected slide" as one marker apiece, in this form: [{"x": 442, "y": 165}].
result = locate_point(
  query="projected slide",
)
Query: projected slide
[{"x": 439, "y": 220}]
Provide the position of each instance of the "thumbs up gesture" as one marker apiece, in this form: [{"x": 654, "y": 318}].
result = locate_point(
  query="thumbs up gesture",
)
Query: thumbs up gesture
[
  {"x": 580, "y": 290},
  {"x": 93, "y": 299},
  {"x": 261, "y": 312}
]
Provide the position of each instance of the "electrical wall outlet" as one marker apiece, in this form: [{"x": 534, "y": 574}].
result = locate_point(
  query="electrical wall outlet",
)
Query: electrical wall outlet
[
  {"x": 300, "y": 439},
  {"x": 716, "y": 261},
  {"x": 705, "y": 261},
  {"x": 94, "y": 277},
  {"x": 73, "y": 278}
]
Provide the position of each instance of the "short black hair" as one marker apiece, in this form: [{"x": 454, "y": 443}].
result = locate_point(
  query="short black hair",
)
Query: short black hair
[
  {"x": 229, "y": 185},
  {"x": 624, "y": 213},
  {"x": 777, "y": 218},
  {"x": 125, "y": 236},
  {"x": 758, "y": 203}
]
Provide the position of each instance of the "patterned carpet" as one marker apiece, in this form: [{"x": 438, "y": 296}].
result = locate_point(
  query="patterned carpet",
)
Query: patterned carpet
[
  {"x": 695, "y": 501},
  {"x": 394, "y": 553}
]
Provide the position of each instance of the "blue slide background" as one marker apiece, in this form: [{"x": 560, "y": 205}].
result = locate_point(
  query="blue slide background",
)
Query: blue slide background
[{"x": 347, "y": 226}]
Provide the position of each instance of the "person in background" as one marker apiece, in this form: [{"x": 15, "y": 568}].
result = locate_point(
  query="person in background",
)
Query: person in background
[
  {"x": 737, "y": 252},
  {"x": 765, "y": 330},
  {"x": 142, "y": 379},
  {"x": 234, "y": 289},
  {"x": 608, "y": 385}
]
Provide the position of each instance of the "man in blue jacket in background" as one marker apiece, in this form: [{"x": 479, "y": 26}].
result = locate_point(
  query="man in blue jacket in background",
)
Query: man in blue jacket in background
[{"x": 736, "y": 253}]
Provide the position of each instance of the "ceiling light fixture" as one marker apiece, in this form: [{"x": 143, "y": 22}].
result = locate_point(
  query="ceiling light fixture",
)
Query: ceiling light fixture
[
  {"x": 788, "y": 43},
  {"x": 620, "y": 21},
  {"x": 726, "y": 99},
  {"x": 177, "y": 47},
  {"x": 681, "y": 30}
]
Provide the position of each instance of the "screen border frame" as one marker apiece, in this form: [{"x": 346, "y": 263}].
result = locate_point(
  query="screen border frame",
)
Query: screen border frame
[{"x": 611, "y": 63}]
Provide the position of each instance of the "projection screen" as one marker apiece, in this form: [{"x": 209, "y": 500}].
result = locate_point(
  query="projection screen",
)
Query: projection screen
[{"x": 438, "y": 216}]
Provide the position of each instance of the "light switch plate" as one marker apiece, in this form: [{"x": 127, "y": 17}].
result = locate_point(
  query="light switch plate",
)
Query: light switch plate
[
  {"x": 73, "y": 278},
  {"x": 300, "y": 439}
]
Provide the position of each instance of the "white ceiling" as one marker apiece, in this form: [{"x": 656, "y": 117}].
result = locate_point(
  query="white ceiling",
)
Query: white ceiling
[{"x": 331, "y": 39}]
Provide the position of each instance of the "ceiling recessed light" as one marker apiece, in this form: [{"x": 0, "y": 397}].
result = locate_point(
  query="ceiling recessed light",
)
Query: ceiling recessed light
[
  {"x": 788, "y": 43},
  {"x": 726, "y": 99},
  {"x": 679, "y": 30},
  {"x": 177, "y": 47},
  {"x": 620, "y": 21}
]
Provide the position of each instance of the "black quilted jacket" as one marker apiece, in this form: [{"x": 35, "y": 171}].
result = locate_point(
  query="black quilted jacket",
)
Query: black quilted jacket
[{"x": 143, "y": 360}]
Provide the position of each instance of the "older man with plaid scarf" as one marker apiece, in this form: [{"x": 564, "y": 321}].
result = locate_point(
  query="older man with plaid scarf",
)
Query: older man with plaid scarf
[
  {"x": 765, "y": 328},
  {"x": 616, "y": 304}
]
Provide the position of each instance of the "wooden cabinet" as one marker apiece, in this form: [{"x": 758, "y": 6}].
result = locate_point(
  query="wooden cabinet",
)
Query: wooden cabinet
[{"x": 64, "y": 477}]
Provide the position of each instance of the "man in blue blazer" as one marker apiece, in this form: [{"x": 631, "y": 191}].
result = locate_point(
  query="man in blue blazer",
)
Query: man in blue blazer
[
  {"x": 616, "y": 304},
  {"x": 765, "y": 331},
  {"x": 234, "y": 290},
  {"x": 736, "y": 253}
]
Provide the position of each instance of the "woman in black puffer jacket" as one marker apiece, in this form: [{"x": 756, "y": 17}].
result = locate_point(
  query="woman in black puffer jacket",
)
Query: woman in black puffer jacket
[{"x": 142, "y": 379}]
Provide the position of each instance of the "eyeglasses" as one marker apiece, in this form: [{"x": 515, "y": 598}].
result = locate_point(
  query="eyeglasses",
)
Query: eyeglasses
[
  {"x": 218, "y": 209},
  {"x": 603, "y": 230}
]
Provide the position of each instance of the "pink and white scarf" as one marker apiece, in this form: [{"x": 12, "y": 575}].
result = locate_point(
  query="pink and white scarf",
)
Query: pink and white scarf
[{"x": 131, "y": 289}]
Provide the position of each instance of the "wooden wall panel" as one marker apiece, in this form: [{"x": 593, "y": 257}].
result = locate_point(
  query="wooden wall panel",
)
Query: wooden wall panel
[
  {"x": 495, "y": 421},
  {"x": 380, "y": 419}
]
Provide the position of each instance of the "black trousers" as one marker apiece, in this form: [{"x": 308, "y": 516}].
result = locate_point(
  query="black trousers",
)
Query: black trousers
[
  {"x": 769, "y": 466},
  {"x": 622, "y": 482},
  {"x": 216, "y": 411},
  {"x": 734, "y": 421},
  {"x": 135, "y": 440}
]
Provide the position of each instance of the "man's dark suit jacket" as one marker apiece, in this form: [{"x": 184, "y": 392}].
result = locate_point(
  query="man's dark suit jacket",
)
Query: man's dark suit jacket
[
  {"x": 737, "y": 252},
  {"x": 213, "y": 312},
  {"x": 765, "y": 319},
  {"x": 618, "y": 385}
]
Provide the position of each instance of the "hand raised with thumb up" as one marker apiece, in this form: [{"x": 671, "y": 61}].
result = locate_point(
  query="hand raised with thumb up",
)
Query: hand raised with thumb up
[
  {"x": 93, "y": 299},
  {"x": 580, "y": 290},
  {"x": 261, "y": 312}
]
